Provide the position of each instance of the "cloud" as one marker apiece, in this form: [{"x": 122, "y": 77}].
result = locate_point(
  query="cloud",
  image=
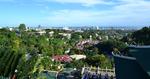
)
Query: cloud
[
  {"x": 82, "y": 2},
  {"x": 127, "y": 13},
  {"x": 6, "y": 0},
  {"x": 71, "y": 16},
  {"x": 121, "y": 12}
]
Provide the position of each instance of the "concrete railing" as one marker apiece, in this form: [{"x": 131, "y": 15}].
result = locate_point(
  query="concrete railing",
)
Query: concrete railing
[{"x": 110, "y": 72}]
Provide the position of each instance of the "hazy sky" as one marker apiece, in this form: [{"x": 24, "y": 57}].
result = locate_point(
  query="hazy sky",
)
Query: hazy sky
[{"x": 75, "y": 12}]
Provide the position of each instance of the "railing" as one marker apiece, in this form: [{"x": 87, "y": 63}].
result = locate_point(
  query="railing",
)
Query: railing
[{"x": 110, "y": 72}]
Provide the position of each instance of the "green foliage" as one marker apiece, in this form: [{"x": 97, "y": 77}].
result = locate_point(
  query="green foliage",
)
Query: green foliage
[
  {"x": 58, "y": 45},
  {"x": 142, "y": 36},
  {"x": 46, "y": 63},
  {"x": 75, "y": 36},
  {"x": 9, "y": 53},
  {"x": 99, "y": 60},
  {"x": 31, "y": 53},
  {"x": 8, "y": 63},
  {"x": 110, "y": 45},
  {"x": 75, "y": 64},
  {"x": 26, "y": 68},
  {"x": 22, "y": 27}
]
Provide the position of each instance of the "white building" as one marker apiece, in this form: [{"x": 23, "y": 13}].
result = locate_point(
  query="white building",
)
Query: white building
[
  {"x": 78, "y": 57},
  {"x": 66, "y": 28},
  {"x": 51, "y": 33},
  {"x": 41, "y": 32},
  {"x": 68, "y": 35}
]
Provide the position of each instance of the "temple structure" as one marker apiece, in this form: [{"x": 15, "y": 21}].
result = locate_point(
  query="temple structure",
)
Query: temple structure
[{"x": 135, "y": 64}]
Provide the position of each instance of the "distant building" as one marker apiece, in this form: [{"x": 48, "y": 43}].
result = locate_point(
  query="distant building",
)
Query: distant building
[
  {"x": 135, "y": 65},
  {"x": 79, "y": 31},
  {"x": 51, "y": 33},
  {"x": 41, "y": 32},
  {"x": 11, "y": 29},
  {"x": 81, "y": 44},
  {"x": 66, "y": 28},
  {"x": 78, "y": 57},
  {"x": 68, "y": 35},
  {"x": 106, "y": 37}
]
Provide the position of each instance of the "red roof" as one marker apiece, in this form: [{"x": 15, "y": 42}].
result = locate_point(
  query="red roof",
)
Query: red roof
[{"x": 62, "y": 58}]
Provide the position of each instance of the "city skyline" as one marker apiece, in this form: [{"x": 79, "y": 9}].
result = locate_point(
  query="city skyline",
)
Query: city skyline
[{"x": 75, "y": 12}]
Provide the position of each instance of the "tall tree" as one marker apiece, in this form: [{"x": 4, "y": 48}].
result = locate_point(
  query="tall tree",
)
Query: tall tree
[{"x": 22, "y": 27}]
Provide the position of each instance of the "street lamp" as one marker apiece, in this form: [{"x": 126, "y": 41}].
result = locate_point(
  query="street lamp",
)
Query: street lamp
[{"x": 16, "y": 71}]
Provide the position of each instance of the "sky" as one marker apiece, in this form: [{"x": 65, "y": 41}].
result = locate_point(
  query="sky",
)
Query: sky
[{"x": 75, "y": 12}]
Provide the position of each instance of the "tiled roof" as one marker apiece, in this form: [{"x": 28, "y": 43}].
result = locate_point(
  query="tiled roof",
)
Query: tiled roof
[
  {"x": 137, "y": 66},
  {"x": 142, "y": 55},
  {"x": 62, "y": 58}
]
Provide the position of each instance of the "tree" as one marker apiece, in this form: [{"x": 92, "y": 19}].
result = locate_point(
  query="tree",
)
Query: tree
[
  {"x": 22, "y": 27},
  {"x": 26, "y": 67},
  {"x": 99, "y": 60},
  {"x": 108, "y": 46},
  {"x": 75, "y": 64},
  {"x": 142, "y": 36}
]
